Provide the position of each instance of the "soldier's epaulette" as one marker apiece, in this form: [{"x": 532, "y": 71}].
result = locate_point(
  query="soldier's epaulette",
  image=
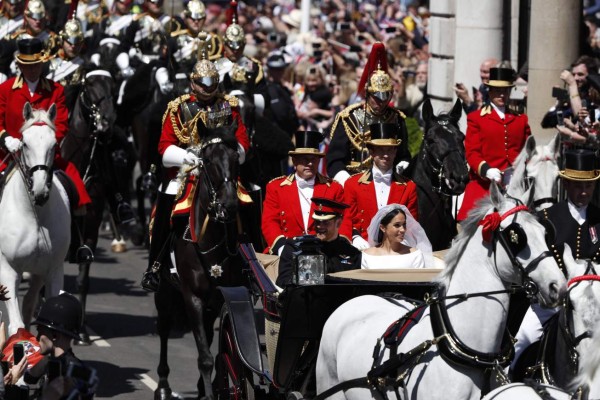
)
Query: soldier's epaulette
[
  {"x": 16, "y": 33},
  {"x": 279, "y": 177},
  {"x": 173, "y": 106},
  {"x": 179, "y": 32},
  {"x": 139, "y": 16},
  {"x": 232, "y": 100},
  {"x": 345, "y": 113}
]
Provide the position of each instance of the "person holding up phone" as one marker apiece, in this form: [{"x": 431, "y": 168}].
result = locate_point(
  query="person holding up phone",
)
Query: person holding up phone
[{"x": 58, "y": 323}]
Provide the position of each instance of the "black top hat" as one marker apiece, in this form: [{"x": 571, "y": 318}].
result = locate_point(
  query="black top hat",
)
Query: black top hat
[
  {"x": 326, "y": 209},
  {"x": 62, "y": 313},
  {"x": 580, "y": 165},
  {"x": 31, "y": 51},
  {"x": 307, "y": 142},
  {"x": 384, "y": 134},
  {"x": 276, "y": 60},
  {"x": 502, "y": 77}
]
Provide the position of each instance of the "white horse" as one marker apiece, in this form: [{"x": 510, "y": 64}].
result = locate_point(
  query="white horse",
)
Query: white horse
[
  {"x": 554, "y": 359},
  {"x": 535, "y": 174},
  {"x": 34, "y": 219},
  {"x": 474, "y": 328},
  {"x": 588, "y": 379}
]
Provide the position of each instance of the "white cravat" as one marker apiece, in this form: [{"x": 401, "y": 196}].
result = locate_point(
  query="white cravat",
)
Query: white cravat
[
  {"x": 382, "y": 182},
  {"x": 32, "y": 86},
  {"x": 499, "y": 110},
  {"x": 578, "y": 213},
  {"x": 305, "y": 193}
]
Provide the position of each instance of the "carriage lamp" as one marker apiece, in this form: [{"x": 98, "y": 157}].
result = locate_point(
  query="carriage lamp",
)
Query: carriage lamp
[{"x": 308, "y": 261}]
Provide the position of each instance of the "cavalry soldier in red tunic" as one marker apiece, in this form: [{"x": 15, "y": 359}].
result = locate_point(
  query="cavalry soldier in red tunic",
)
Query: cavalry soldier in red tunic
[
  {"x": 287, "y": 210},
  {"x": 368, "y": 191},
  {"x": 494, "y": 139},
  {"x": 179, "y": 121},
  {"x": 41, "y": 93}
]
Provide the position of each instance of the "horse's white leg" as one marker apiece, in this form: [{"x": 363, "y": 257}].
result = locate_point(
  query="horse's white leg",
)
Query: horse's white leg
[
  {"x": 56, "y": 278},
  {"x": 11, "y": 279},
  {"x": 31, "y": 298}
]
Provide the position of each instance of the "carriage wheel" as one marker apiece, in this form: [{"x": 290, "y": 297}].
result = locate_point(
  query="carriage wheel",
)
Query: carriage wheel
[{"x": 234, "y": 380}]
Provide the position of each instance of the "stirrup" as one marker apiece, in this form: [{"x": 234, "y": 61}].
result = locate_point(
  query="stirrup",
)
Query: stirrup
[
  {"x": 125, "y": 213},
  {"x": 84, "y": 254}
]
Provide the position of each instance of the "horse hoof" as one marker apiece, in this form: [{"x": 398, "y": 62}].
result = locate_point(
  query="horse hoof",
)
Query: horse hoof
[
  {"x": 84, "y": 339},
  {"x": 118, "y": 246},
  {"x": 162, "y": 394}
]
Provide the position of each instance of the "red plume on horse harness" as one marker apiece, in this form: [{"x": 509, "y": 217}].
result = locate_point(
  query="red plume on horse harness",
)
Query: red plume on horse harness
[
  {"x": 377, "y": 61},
  {"x": 492, "y": 221}
]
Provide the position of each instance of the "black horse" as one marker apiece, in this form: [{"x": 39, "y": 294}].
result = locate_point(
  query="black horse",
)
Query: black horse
[
  {"x": 205, "y": 250},
  {"x": 440, "y": 172},
  {"x": 88, "y": 146},
  {"x": 142, "y": 107},
  {"x": 269, "y": 146}
]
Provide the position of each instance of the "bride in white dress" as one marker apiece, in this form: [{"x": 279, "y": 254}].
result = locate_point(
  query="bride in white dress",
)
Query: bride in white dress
[{"x": 398, "y": 241}]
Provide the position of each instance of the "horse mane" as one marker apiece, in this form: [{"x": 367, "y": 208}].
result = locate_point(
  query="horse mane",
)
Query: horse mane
[
  {"x": 469, "y": 227},
  {"x": 38, "y": 117},
  {"x": 520, "y": 167}
]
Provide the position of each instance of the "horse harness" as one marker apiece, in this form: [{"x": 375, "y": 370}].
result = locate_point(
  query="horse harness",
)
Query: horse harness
[{"x": 395, "y": 372}]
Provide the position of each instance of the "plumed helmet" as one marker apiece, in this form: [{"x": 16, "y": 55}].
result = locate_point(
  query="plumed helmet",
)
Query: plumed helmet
[
  {"x": 62, "y": 313},
  {"x": 72, "y": 32},
  {"x": 234, "y": 34},
  {"x": 375, "y": 78},
  {"x": 205, "y": 73},
  {"x": 35, "y": 9},
  {"x": 195, "y": 9}
]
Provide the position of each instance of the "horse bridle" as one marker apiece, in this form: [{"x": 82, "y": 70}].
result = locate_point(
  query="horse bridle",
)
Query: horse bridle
[
  {"x": 94, "y": 116},
  {"x": 529, "y": 180},
  {"x": 513, "y": 239},
  {"x": 437, "y": 164},
  {"x": 27, "y": 172},
  {"x": 215, "y": 208}
]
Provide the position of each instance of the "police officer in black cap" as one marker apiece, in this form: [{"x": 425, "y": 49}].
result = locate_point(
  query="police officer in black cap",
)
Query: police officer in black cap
[
  {"x": 339, "y": 252},
  {"x": 58, "y": 323}
]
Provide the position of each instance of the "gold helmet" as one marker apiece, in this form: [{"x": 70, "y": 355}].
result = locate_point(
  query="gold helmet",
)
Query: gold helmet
[
  {"x": 234, "y": 34},
  {"x": 375, "y": 78},
  {"x": 35, "y": 9},
  {"x": 195, "y": 9},
  {"x": 205, "y": 74},
  {"x": 72, "y": 32}
]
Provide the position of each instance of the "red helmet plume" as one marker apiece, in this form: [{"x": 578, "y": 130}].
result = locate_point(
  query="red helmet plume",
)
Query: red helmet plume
[{"x": 377, "y": 61}]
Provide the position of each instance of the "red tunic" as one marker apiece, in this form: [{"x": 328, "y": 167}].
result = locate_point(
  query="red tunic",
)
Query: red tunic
[
  {"x": 14, "y": 93},
  {"x": 169, "y": 137},
  {"x": 492, "y": 141},
  {"x": 282, "y": 212},
  {"x": 359, "y": 193}
]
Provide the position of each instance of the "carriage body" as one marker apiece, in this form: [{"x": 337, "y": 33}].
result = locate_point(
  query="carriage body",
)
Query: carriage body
[{"x": 270, "y": 351}]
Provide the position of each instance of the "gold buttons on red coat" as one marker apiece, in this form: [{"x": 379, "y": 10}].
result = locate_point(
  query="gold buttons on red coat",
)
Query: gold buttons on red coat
[{"x": 283, "y": 213}]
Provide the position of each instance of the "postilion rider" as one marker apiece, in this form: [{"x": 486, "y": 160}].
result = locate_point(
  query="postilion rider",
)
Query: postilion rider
[
  {"x": 41, "y": 93},
  {"x": 215, "y": 109}
]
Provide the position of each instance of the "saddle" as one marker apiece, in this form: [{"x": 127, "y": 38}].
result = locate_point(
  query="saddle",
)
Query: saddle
[{"x": 69, "y": 187}]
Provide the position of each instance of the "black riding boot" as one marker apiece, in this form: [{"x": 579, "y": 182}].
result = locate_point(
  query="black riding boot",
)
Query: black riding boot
[{"x": 160, "y": 234}]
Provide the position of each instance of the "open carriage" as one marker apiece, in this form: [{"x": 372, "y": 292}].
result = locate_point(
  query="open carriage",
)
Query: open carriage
[{"x": 271, "y": 351}]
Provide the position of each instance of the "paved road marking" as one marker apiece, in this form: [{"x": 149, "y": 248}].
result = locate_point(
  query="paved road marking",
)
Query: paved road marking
[
  {"x": 146, "y": 380},
  {"x": 96, "y": 339}
]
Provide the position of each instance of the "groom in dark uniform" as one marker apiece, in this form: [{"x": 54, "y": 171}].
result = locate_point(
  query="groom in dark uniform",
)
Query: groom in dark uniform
[
  {"x": 576, "y": 219},
  {"x": 340, "y": 254}
]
